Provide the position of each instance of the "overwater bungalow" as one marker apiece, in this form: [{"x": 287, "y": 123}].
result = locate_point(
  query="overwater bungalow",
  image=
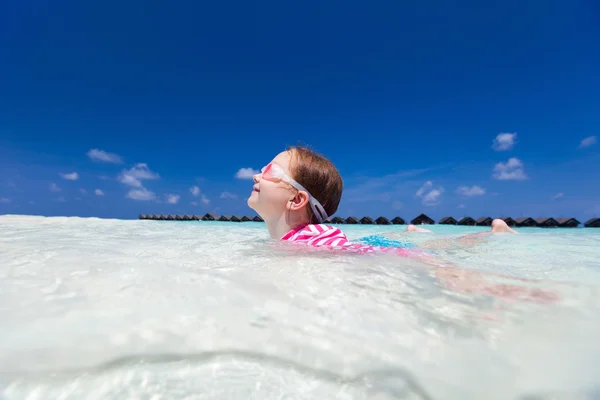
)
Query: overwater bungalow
[
  {"x": 447, "y": 221},
  {"x": 170, "y": 217},
  {"x": 210, "y": 217},
  {"x": 567, "y": 222},
  {"x": 592, "y": 223},
  {"x": 422, "y": 219},
  {"x": 258, "y": 218},
  {"x": 225, "y": 218},
  {"x": 352, "y": 220},
  {"x": 546, "y": 222},
  {"x": 382, "y": 221},
  {"x": 509, "y": 221},
  {"x": 484, "y": 221},
  {"x": 143, "y": 216},
  {"x": 338, "y": 220},
  {"x": 236, "y": 218},
  {"x": 196, "y": 217},
  {"x": 467, "y": 221},
  {"x": 524, "y": 222},
  {"x": 367, "y": 221},
  {"x": 398, "y": 221},
  {"x": 246, "y": 219}
]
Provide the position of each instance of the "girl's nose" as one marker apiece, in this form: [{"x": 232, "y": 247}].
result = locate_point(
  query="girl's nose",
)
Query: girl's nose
[{"x": 256, "y": 177}]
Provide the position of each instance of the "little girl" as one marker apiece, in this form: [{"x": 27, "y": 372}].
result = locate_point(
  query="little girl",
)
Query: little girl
[
  {"x": 295, "y": 211},
  {"x": 300, "y": 189}
]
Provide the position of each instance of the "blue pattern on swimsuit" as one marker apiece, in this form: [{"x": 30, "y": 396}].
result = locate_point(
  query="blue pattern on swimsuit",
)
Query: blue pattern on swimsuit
[{"x": 383, "y": 241}]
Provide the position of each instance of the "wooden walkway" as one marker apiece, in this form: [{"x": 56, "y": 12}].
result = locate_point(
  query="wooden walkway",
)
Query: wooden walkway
[{"x": 421, "y": 219}]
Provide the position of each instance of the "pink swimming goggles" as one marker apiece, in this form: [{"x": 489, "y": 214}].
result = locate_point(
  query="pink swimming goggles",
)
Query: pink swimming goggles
[{"x": 274, "y": 171}]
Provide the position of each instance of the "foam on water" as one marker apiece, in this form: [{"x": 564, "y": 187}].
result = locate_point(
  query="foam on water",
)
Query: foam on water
[{"x": 97, "y": 309}]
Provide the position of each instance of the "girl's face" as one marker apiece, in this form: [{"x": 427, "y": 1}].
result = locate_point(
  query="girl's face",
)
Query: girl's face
[{"x": 270, "y": 198}]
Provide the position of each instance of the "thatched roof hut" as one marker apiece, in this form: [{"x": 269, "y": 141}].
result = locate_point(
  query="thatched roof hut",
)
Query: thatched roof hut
[
  {"x": 525, "y": 222},
  {"x": 352, "y": 220},
  {"x": 210, "y": 217},
  {"x": 246, "y": 219},
  {"x": 509, "y": 221},
  {"x": 382, "y": 221},
  {"x": 258, "y": 218},
  {"x": 447, "y": 221},
  {"x": 196, "y": 217},
  {"x": 143, "y": 216},
  {"x": 422, "y": 219},
  {"x": 484, "y": 221},
  {"x": 592, "y": 223},
  {"x": 567, "y": 222},
  {"x": 338, "y": 220},
  {"x": 178, "y": 217},
  {"x": 225, "y": 218},
  {"x": 188, "y": 217},
  {"x": 546, "y": 222},
  {"x": 466, "y": 221},
  {"x": 236, "y": 218},
  {"x": 170, "y": 217},
  {"x": 154, "y": 216},
  {"x": 398, "y": 221},
  {"x": 367, "y": 221}
]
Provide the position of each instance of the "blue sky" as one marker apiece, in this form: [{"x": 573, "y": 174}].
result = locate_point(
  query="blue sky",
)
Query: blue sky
[{"x": 112, "y": 109}]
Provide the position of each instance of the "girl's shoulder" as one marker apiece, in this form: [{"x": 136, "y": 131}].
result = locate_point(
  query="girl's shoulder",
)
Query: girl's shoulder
[{"x": 317, "y": 234}]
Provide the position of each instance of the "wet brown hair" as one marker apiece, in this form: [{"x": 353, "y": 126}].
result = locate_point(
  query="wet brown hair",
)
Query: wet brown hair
[{"x": 319, "y": 176}]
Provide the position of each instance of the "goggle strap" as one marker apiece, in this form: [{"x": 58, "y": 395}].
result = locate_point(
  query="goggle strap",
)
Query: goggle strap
[{"x": 318, "y": 210}]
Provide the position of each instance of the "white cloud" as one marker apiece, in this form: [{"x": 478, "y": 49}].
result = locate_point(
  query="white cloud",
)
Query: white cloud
[
  {"x": 172, "y": 198},
  {"x": 195, "y": 191},
  {"x": 54, "y": 187},
  {"x": 228, "y": 195},
  {"x": 194, "y": 203},
  {"x": 73, "y": 176},
  {"x": 558, "y": 196},
  {"x": 426, "y": 186},
  {"x": 142, "y": 194},
  {"x": 461, "y": 206},
  {"x": 205, "y": 200},
  {"x": 4, "y": 200},
  {"x": 246, "y": 173},
  {"x": 135, "y": 175},
  {"x": 433, "y": 196},
  {"x": 513, "y": 170},
  {"x": 470, "y": 191},
  {"x": 588, "y": 141},
  {"x": 129, "y": 180},
  {"x": 101, "y": 155},
  {"x": 82, "y": 191},
  {"x": 99, "y": 192},
  {"x": 504, "y": 141},
  {"x": 430, "y": 194}
]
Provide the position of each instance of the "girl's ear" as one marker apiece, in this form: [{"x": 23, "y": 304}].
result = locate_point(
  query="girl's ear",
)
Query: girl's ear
[{"x": 299, "y": 201}]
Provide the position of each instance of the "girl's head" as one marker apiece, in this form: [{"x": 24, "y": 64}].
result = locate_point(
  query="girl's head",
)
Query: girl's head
[{"x": 298, "y": 184}]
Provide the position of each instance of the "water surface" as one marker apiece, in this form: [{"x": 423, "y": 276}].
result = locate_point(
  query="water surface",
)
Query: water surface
[{"x": 95, "y": 309}]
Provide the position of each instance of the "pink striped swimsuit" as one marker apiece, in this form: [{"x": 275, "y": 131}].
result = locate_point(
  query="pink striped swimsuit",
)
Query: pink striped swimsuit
[{"x": 329, "y": 236}]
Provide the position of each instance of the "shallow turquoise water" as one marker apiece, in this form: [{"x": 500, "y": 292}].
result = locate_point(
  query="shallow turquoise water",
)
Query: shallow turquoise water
[{"x": 96, "y": 309}]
